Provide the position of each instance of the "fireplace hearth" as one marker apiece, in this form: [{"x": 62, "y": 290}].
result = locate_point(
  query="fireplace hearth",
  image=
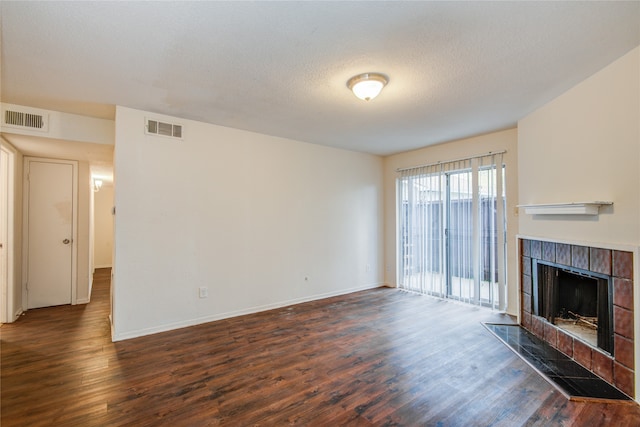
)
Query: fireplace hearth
[{"x": 585, "y": 308}]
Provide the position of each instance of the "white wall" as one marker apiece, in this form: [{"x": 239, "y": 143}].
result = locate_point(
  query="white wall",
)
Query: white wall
[
  {"x": 247, "y": 215},
  {"x": 497, "y": 141},
  {"x": 585, "y": 146},
  {"x": 92, "y": 240},
  {"x": 84, "y": 211},
  {"x": 103, "y": 227}
]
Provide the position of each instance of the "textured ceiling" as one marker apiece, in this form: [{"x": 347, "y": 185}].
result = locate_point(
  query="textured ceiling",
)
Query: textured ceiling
[{"x": 456, "y": 69}]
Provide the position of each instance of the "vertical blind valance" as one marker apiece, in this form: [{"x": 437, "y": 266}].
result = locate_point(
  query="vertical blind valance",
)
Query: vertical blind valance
[
  {"x": 450, "y": 164},
  {"x": 452, "y": 229}
]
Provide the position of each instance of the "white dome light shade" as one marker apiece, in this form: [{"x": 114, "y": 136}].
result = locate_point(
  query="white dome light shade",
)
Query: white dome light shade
[{"x": 367, "y": 86}]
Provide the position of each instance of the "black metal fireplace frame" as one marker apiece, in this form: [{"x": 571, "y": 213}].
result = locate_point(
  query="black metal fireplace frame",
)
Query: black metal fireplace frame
[{"x": 605, "y": 305}]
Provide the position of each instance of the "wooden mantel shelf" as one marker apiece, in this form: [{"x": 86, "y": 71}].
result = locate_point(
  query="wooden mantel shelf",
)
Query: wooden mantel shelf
[{"x": 573, "y": 208}]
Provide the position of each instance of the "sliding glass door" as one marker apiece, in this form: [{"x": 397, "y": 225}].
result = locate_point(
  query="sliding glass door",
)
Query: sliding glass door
[
  {"x": 458, "y": 228},
  {"x": 452, "y": 231}
]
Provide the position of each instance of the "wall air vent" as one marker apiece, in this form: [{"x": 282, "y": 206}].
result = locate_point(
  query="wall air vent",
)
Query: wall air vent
[
  {"x": 25, "y": 119},
  {"x": 156, "y": 127}
]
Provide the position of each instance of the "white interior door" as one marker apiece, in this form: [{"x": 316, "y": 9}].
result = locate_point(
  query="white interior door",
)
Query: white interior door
[{"x": 51, "y": 220}]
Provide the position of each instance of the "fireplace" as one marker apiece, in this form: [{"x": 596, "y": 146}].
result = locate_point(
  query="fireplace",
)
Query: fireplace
[{"x": 577, "y": 301}]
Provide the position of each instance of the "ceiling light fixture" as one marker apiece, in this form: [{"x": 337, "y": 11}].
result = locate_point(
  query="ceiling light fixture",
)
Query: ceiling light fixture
[
  {"x": 368, "y": 85},
  {"x": 97, "y": 185}
]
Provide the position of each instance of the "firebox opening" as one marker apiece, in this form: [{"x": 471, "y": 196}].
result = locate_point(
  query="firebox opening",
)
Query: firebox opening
[
  {"x": 577, "y": 301},
  {"x": 577, "y": 306}
]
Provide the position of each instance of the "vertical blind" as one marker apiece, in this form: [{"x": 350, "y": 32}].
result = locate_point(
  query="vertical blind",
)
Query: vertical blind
[{"x": 452, "y": 229}]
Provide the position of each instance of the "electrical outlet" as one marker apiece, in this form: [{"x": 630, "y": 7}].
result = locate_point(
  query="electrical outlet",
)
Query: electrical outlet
[{"x": 203, "y": 292}]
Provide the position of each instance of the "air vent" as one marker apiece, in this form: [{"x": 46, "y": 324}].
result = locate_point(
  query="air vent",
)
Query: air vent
[
  {"x": 25, "y": 120},
  {"x": 171, "y": 130}
]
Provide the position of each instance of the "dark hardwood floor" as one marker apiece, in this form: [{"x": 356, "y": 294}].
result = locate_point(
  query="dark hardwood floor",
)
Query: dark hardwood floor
[{"x": 379, "y": 357}]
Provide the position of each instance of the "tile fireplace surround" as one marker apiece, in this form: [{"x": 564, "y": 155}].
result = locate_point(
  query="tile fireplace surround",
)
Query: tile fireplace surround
[{"x": 617, "y": 370}]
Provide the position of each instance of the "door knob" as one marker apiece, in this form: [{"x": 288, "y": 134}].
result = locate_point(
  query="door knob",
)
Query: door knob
[{"x": 66, "y": 241}]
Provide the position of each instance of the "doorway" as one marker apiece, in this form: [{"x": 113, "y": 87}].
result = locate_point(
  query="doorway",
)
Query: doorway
[{"x": 50, "y": 215}]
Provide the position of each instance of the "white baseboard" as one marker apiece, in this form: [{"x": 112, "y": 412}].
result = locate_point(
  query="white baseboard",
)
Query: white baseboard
[
  {"x": 17, "y": 314},
  {"x": 205, "y": 319},
  {"x": 101, "y": 266},
  {"x": 83, "y": 300}
]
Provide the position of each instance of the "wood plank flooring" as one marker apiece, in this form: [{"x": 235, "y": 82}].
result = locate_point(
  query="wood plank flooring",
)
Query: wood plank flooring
[{"x": 374, "y": 358}]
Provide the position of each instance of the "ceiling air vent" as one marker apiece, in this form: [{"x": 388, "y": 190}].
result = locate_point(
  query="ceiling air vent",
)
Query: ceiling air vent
[
  {"x": 27, "y": 119},
  {"x": 155, "y": 127}
]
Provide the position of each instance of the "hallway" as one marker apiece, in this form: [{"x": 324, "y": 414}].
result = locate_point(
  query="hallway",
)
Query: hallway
[{"x": 57, "y": 355}]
